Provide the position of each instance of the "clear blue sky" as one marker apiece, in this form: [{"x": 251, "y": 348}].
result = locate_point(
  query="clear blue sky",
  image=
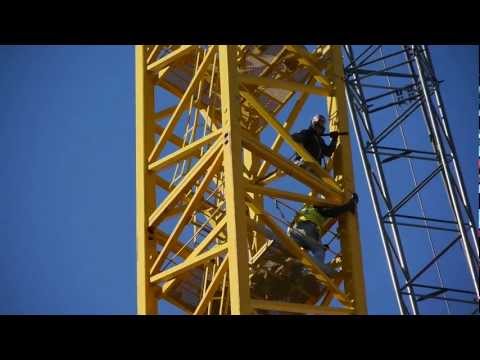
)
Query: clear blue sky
[{"x": 67, "y": 184}]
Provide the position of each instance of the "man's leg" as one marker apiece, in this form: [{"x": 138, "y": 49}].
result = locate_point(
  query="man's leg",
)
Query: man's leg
[
  {"x": 306, "y": 235},
  {"x": 319, "y": 255}
]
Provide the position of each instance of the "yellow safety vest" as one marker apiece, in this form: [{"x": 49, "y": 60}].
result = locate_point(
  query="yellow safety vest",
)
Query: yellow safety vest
[{"x": 309, "y": 213}]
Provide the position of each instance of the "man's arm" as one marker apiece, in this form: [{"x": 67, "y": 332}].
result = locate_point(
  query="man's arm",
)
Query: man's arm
[
  {"x": 334, "y": 211},
  {"x": 301, "y": 136},
  {"x": 338, "y": 210},
  {"x": 328, "y": 150}
]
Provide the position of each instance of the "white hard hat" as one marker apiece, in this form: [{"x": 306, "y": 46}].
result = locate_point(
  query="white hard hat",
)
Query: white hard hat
[{"x": 318, "y": 118}]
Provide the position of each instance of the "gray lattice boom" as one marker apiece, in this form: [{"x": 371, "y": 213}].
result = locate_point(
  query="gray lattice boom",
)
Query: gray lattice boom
[{"x": 418, "y": 193}]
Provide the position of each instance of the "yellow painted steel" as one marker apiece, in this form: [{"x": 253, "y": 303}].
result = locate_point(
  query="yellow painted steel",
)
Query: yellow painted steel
[
  {"x": 186, "y": 265},
  {"x": 184, "y": 152},
  {"x": 343, "y": 170},
  {"x": 198, "y": 241},
  {"x": 180, "y": 107},
  {"x": 299, "y": 308},
  {"x": 289, "y": 85},
  {"x": 292, "y": 170},
  {"x": 252, "y": 164},
  {"x": 234, "y": 192},
  {"x": 210, "y": 291},
  {"x": 167, "y": 60},
  {"x": 199, "y": 249},
  {"x": 288, "y": 124},
  {"x": 146, "y": 302},
  {"x": 332, "y": 187}
]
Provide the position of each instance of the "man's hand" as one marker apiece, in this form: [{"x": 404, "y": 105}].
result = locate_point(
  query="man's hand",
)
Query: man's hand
[
  {"x": 334, "y": 135},
  {"x": 355, "y": 198},
  {"x": 353, "y": 202}
]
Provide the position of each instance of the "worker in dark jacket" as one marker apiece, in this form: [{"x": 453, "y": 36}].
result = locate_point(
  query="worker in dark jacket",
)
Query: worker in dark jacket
[{"x": 312, "y": 141}]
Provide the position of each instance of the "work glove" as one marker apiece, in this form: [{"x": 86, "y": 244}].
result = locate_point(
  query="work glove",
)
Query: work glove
[
  {"x": 355, "y": 198},
  {"x": 334, "y": 135},
  {"x": 353, "y": 203}
]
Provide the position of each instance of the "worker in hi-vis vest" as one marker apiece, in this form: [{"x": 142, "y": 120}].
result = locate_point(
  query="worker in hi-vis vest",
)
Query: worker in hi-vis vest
[{"x": 309, "y": 225}]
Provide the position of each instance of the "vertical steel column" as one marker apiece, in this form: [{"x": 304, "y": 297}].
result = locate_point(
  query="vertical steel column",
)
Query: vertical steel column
[
  {"x": 456, "y": 166},
  {"x": 234, "y": 192},
  {"x": 449, "y": 181},
  {"x": 376, "y": 207},
  {"x": 144, "y": 95},
  {"x": 385, "y": 194},
  {"x": 423, "y": 91},
  {"x": 343, "y": 170}
]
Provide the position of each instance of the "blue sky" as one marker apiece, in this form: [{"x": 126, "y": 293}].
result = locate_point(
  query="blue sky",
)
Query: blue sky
[{"x": 67, "y": 185}]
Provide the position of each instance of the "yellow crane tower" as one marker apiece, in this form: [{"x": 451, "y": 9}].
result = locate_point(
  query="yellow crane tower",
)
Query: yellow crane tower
[{"x": 205, "y": 185}]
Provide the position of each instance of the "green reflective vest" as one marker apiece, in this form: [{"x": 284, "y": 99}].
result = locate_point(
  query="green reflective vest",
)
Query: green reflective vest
[{"x": 309, "y": 213}]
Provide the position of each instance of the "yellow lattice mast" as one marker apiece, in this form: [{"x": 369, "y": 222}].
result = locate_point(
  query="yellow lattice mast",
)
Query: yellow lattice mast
[{"x": 204, "y": 183}]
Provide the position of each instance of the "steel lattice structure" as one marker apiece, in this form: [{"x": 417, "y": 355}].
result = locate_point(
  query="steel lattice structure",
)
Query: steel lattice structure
[
  {"x": 204, "y": 191},
  {"x": 402, "y": 131}
]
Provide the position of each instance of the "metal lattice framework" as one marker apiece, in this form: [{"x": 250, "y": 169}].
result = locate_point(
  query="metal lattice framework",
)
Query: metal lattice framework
[
  {"x": 409, "y": 157},
  {"x": 204, "y": 191}
]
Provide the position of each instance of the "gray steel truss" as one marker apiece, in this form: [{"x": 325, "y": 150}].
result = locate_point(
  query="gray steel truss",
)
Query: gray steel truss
[{"x": 408, "y": 154}]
